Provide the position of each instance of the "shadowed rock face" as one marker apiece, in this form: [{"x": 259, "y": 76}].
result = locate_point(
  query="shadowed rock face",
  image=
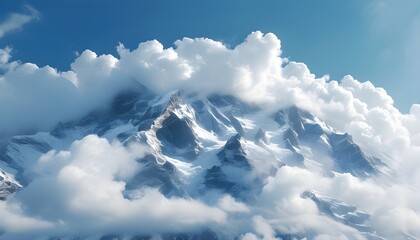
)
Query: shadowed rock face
[
  {"x": 304, "y": 131},
  {"x": 9, "y": 161},
  {"x": 340, "y": 212},
  {"x": 299, "y": 128},
  {"x": 350, "y": 158},
  {"x": 176, "y": 132},
  {"x": 261, "y": 136},
  {"x": 7, "y": 185},
  {"x": 7, "y": 188},
  {"x": 301, "y": 122},
  {"x": 233, "y": 154},
  {"x": 237, "y": 125},
  {"x": 205, "y": 234},
  {"x": 173, "y": 127},
  {"x": 177, "y": 137},
  {"x": 157, "y": 174},
  {"x": 39, "y": 146},
  {"x": 233, "y": 159},
  {"x": 291, "y": 139},
  {"x": 215, "y": 178},
  {"x": 235, "y": 106},
  {"x": 11, "y": 148},
  {"x": 209, "y": 117}
]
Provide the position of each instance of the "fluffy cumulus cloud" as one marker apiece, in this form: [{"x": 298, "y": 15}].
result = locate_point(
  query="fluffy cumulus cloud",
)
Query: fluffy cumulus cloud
[
  {"x": 87, "y": 182},
  {"x": 80, "y": 191},
  {"x": 38, "y": 98},
  {"x": 393, "y": 207},
  {"x": 253, "y": 71}
]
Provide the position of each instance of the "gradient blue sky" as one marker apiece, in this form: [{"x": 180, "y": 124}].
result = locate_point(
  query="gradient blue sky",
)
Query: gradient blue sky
[{"x": 374, "y": 40}]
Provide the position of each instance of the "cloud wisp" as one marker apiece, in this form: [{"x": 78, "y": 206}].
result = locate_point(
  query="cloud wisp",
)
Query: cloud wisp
[
  {"x": 397, "y": 24},
  {"x": 16, "y": 21}
]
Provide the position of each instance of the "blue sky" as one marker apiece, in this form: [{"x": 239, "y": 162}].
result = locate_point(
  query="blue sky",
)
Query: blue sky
[
  {"x": 376, "y": 40},
  {"x": 371, "y": 40}
]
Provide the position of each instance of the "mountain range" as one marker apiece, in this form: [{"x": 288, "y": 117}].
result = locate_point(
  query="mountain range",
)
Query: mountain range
[{"x": 198, "y": 146}]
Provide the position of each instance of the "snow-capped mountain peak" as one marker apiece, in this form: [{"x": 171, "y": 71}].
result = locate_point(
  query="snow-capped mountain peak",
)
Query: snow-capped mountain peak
[{"x": 197, "y": 146}]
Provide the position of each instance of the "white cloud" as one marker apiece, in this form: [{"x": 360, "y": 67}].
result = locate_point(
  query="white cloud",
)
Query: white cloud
[
  {"x": 253, "y": 71},
  {"x": 328, "y": 237},
  {"x": 14, "y": 220},
  {"x": 398, "y": 218},
  {"x": 26, "y": 92},
  {"x": 290, "y": 213},
  {"x": 263, "y": 228},
  {"x": 5, "y": 55},
  {"x": 393, "y": 206},
  {"x": 249, "y": 236},
  {"x": 16, "y": 20},
  {"x": 228, "y": 204},
  {"x": 79, "y": 192}
]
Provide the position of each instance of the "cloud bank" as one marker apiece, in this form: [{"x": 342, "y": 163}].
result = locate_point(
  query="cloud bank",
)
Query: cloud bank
[
  {"x": 80, "y": 192},
  {"x": 253, "y": 71}
]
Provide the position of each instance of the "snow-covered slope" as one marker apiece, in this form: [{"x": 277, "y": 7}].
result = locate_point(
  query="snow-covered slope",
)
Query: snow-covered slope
[{"x": 318, "y": 145}]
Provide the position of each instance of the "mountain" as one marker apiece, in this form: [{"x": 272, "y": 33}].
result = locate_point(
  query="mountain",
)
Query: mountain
[
  {"x": 7, "y": 185},
  {"x": 206, "y": 144},
  {"x": 338, "y": 151}
]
